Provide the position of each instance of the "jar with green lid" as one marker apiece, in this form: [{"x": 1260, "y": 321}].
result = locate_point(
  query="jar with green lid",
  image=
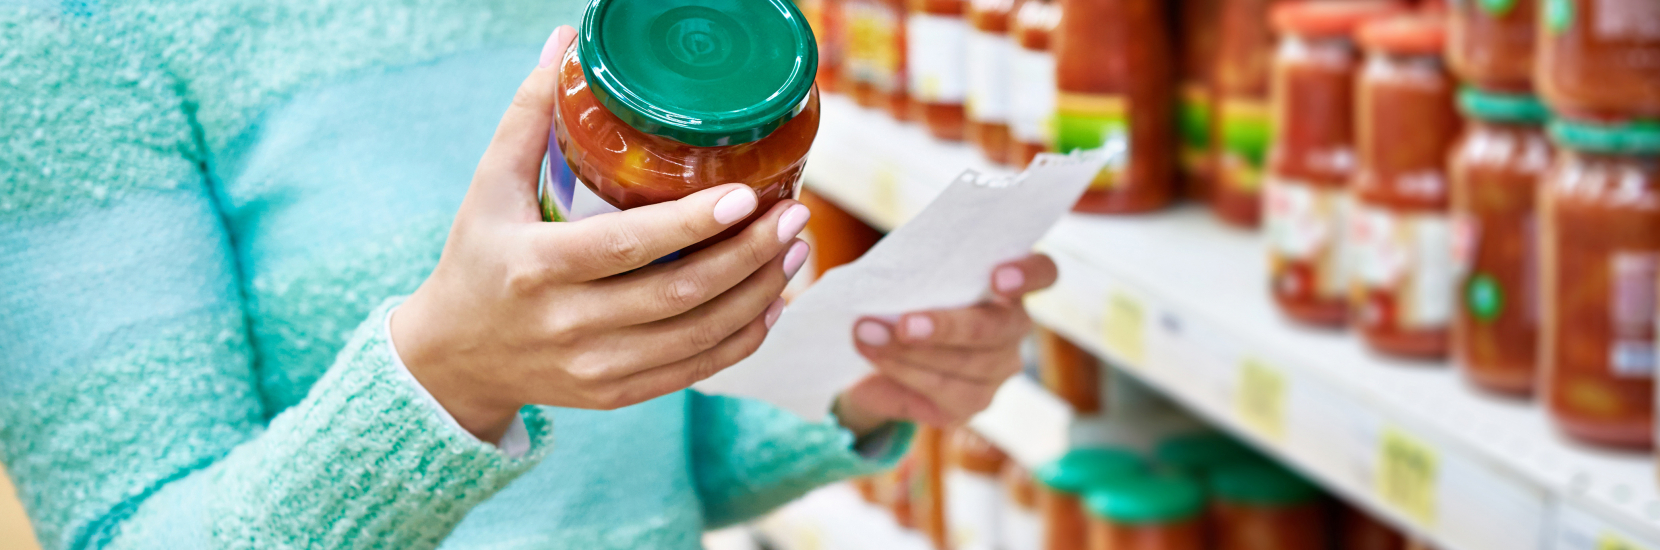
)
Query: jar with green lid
[
  {"x": 1197, "y": 454},
  {"x": 1153, "y": 512},
  {"x": 1263, "y": 506},
  {"x": 659, "y": 99},
  {"x": 1063, "y": 483},
  {"x": 1494, "y": 170},
  {"x": 1600, "y": 207}
]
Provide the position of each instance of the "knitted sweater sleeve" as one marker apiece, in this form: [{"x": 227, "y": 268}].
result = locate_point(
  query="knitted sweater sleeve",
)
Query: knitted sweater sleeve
[{"x": 130, "y": 414}]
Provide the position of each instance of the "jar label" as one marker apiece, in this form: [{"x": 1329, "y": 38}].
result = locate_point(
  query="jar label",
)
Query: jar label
[
  {"x": 872, "y": 51},
  {"x": 989, "y": 55},
  {"x": 1627, "y": 20},
  {"x": 1304, "y": 225},
  {"x": 972, "y": 503},
  {"x": 1631, "y": 311},
  {"x": 1404, "y": 270},
  {"x": 1194, "y": 116},
  {"x": 1032, "y": 101},
  {"x": 1245, "y": 133},
  {"x": 938, "y": 64},
  {"x": 1091, "y": 121}
]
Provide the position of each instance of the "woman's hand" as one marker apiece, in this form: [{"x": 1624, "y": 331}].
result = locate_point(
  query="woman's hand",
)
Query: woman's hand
[
  {"x": 942, "y": 367},
  {"x": 570, "y": 314}
]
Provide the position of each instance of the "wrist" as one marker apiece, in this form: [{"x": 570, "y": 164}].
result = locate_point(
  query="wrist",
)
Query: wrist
[
  {"x": 421, "y": 353},
  {"x": 857, "y": 419}
]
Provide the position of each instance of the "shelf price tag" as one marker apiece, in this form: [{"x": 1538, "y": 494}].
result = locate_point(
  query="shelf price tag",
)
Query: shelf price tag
[
  {"x": 1260, "y": 398},
  {"x": 1610, "y": 541},
  {"x": 1408, "y": 470},
  {"x": 884, "y": 188},
  {"x": 1124, "y": 328}
]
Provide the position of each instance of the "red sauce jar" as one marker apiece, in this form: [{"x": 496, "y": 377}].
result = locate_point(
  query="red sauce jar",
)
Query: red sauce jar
[
  {"x": 936, "y": 41},
  {"x": 1243, "y": 125},
  {"x": 1064, "y": 483},
  {"x": 1070, "y": 372},
  {"x": 1600, "y": 204},
  {"x": 1198, "y": 22},
  {"x": 1490, "y": 44},
  {"x": 1116, "y": 78},
  {"x": 1032, "y": 88},
  {"x": 990, "y": 53},
  {"x": 1311, "y": 157},
  {"x": 1403, "y": 279},
  {"x": 1266, "y": 507},
  {"x": 874, "y": 61},
  {"x": 1150, "y": 512},
  {"x": 824, "y": 16},
  {"x": 1600, "y": 59},
  {"x": 974, "y": 499},
  {"x": 1495, "y": 171}
]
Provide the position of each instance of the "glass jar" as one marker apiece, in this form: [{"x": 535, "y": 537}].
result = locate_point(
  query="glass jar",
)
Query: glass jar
[
  {"x": 1115, "y": 76},
  {"x": 1153, "y": 512},
  {"x": 1361, "y": 531},
  {"x": 1600, "y": 59},
  {"x": 1197, "y": 31},
  {"x": 824, "y": 17},
  {"x": 990, "y": 52},
  {"x": 928, "y": 484},
  {"x": 875, "y": 57},
  {"x": 936, "y": 38},
  {"x": 1311, "y": 157},
  {"x": 1600, "y": 204},
  {"x": 1018, "y": 527},
  {"x": 1198, "y": 454},
  {"x": 1407, "y": 119},
  {"x": 1243, "y": 131},
  {"x": 1032, "y": 86},
  {"x": 1490, "y": 44},
  {"x": 1069, "y": 372},
  {"x": 838, "y": 237},
  {"x": 1062, "y": 485},
  {"x": 1262, "y": 506},
  {"x": 651, "y": 107},
  {"x": 1495, "y": 170},
  {"x": 973, "y": 493}
]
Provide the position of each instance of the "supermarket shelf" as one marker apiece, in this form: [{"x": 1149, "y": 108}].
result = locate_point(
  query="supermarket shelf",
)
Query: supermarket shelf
[{"x": 1180, "y": 301}]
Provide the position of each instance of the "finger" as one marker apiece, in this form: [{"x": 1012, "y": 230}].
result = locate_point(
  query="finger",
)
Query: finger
[
  {"x": 989, "y": 366},
  {"x": 512, "y": 164},
  {"x": 984, "y": 326},
  {"x": 884, "y": 396},
  {"x": 619, "y": 242},
  {"x": 1012, "y": 280},
  {"x": 660, "y": 381},
  {"x": 956, "y": 396}
]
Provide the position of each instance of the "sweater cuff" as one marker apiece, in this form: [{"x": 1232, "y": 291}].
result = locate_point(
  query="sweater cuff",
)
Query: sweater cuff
[{"x": 514, "y": 443}]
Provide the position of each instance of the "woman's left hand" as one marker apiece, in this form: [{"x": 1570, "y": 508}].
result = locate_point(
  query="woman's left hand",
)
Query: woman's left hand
[{"x": 942, "y": 367}]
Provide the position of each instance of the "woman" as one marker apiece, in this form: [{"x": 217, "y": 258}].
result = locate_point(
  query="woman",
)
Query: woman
[{"x": 213, "y": 208}]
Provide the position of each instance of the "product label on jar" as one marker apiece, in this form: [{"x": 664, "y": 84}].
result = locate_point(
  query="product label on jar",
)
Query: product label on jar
[
  {"x": 1095, "y": 121},
  {"x": 1484, "y": 295},
  {"x": 1032, "y": 96},
  {"x": 938, "y": 64},
  {"x": 1245, "y": 132},
  {"x": 989, "y": 55},
  {"x": 1304, "y": 224},
  {"x": 1407, "y": 256},
  {"x": 971, "y": 510},
  {"x": 1629, "y": 20},
  {"x": 872, "y": 50},
  {"x": 1020, "y": 529},
  {"x": 1194, "y": 118},
  {"x": 1631, "y": 312}
]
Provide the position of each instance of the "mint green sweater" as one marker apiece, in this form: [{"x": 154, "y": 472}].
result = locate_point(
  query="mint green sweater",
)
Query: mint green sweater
[{"x": 204, "y": 205}]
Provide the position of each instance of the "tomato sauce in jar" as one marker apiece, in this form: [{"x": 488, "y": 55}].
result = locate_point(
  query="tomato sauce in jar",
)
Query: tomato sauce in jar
[
  {"x": 824, "y": 17},
  {"x": 1032, "y": 88},
  {"x": 1063, "y": 485},
  {"x": 874, "y": 61},
  {"x": 936, "y": 41},
  {"x": 1600, "y": 207},
  {"x": 1490, "y": 44},
  {"x": 1069, "y": 372},
  {"x": 990, "y": 52},
  {"x": 1403, "y": 281},
  {"x": 666, "y": 118},
  {"x": 974, "y": 497},
  {"x": 1243, "y": 125},
  {"x": 1495, "y": 171},
  {"x": 1115, "y": 75},
  {"x": 1152, "y": 512},
  {"x": 1600, "y": 59},
  {"x": 1266, "y": 507},
  {"x": 1311, "y": 157},
  {"x": 1197, "y": 29}
]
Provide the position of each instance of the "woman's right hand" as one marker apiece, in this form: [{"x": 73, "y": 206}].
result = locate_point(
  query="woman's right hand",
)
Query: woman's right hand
[{"x": 570, "y": 314}]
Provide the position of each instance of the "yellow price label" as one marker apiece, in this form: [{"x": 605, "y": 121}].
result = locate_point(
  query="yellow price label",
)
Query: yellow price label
[
  {"x": 1261, "y": 398},
  {"x": 1610, "y": 541},
  {"x": 884, "y": 191},
  {"x": 1124, "y": 328},
  {"x": 1408, "y": 470}
]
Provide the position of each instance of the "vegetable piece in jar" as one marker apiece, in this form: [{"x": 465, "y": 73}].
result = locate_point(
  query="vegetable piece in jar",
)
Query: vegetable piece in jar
[
  {"x": 936, "y": 40},
  {"x": 1403, "y": 281},
  {"x": 1599, "y": 59},
  {"x": 1243, "y": 132},
  {"x": 1490, "y": 44},
  {"x": 1495, "y": 170},
  {"x": 974, "y": 494},
  {"x": 990, "y": 52},
  {"x": 1600, "y": 208},
  {"x": 1152, "y": 512},
  {"x": 1032, "y": 86},
  {"x": 1262, "y": 506},
  {"x": 1063, "y": 484}
]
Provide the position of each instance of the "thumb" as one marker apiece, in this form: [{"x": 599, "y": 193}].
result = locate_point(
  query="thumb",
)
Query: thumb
[{"x": 512, "y": 165}]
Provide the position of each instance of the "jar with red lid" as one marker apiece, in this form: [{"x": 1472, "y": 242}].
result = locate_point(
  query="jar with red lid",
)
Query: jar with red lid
[
  {"x": 1243, "y": 128},
  {"x": 1070, "y": 372},
  {"x": 874, "y": 60},
  {"x": 1197, "y": 30},
  {"x": 1600, "y": 208},
  {"x": 1311, "y": 155},
  {"x": 657, "y": 103},
  {"x": 1116, "y": 80},
  {"x": 990, "y": 52},
  {"x": 1018, "y": 526},
  {"x": 974, "y": 497},
  {"x": 1490, "y": 44},
  {"x": 1600, "y": 59},
  {"x": 1495, "y": 170},
  {"x": 1407, "y": 120},
  {"x": 936, "y": 42},
  {"x": 1032, "y": 86}
]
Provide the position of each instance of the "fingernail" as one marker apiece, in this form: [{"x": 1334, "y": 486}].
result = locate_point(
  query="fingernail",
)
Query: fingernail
[
  {"x": 774, "y": 311},
  {"x": 794, "y": 259},
  {"x": 1008, "y": 279},
  {"x": 792, "y": 222},
  {"x": 550, "y": 50},
  {"x": 919, "y": 327},
  {"x": 872, "y": 333},
  {"x": 735, "y": 205}
]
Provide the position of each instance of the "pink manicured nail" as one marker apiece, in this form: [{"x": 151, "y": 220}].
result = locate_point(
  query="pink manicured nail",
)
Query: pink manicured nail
[
  {"x": 735, "y": 205},
  {"x": 872, "y": 333},
  {"x": 774, "y": 311},
  {"x": 1008, "y": 279},
  {"x": 919, "y": 327},
  {"x": 794, "y": 259},
  {"x": 792, "y": 222},
  {"x": 550, "y": 50}
]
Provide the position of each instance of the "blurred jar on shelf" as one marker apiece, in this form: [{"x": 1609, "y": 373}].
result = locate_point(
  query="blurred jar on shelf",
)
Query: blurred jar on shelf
[
  {"x": 1243, "y": 129},
  {"x": 936, "y": 38},
  {"x": 1403, "y": 277},
  {"x": 1311, "y": 156},
  {"x": 874, "y": 58},
  {"x": 1600, "y": 207},
  {"x": 1262, "y": 506},
  {"x": 1032, "y": 84},
  {"x": 1063, "y": 485},
  {"x": 928, "y": 483},
  {"x": 974, "y": 495},
  {"x": 1199, "y": 454},
  {"x": 1196, "y": 31},
  {"x": 825, "y": 18},
  {"x": 1149, "y": 512},
  {"x": 1018, "y": 526},
  {"x": 1600, "y": 59},
  {"x": 1495, "y": 171},
  {"x": 1070, "y": 372},
  {"x": 1490, "y": 44},
  {"x": 838, "y": 237},
  {"x": 1115, "y": 76},
  {"x": 1361, "y": 531},
  {"x": 991, "y": 50}
]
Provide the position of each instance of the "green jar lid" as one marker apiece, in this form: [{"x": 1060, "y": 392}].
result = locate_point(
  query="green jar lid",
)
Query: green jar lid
[
  {"x": 1197, "y": 453},
  {"x": 703, "y": 72},
  {"x": 1632, "y": 138},
  {"x": 1149, "y": 499},
  {"x": 1080, "y": 469},
  {"x": 1262, "y": 484},
  {"x": 1500, "y": 107}
]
